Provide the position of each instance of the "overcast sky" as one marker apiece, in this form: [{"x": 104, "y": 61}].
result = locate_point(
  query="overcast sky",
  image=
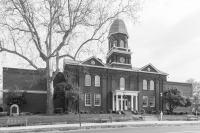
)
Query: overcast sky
[{"x": 168, "y": 37}]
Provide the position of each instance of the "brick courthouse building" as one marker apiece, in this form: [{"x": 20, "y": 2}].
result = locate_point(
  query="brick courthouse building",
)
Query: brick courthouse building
[{"x": 115, "y": 85}]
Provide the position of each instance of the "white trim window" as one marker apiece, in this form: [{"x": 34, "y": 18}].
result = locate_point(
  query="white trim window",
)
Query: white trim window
[
  {"x": 144, "y": 84},
  {"x": 152, "y": 101},
  {"x": 87, "y": 80},
  {"x": 122, "y": 83},
  {"x": 97, "y": 99},
  {"x": 151, "y": 85},
  {"x": 88, "y": 99},
  {"x": 145, "y": 101},
  {"x": 97, "y": 81}
]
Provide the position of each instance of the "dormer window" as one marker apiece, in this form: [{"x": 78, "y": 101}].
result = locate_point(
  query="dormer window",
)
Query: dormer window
[{"x": 122, "y": 44}]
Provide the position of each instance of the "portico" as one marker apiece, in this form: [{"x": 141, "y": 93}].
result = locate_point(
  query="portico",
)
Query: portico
[{"x": 124, "y": 100}]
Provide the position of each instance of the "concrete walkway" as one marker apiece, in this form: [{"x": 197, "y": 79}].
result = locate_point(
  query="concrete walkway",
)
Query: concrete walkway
[{"x": 99, "y": 124}]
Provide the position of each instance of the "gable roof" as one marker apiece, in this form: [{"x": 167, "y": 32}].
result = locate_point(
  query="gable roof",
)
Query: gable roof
[
  {"x": 100, "y": 64},
  {"x": 151, "y": 69},
  {"x": 97, "y": 62}
]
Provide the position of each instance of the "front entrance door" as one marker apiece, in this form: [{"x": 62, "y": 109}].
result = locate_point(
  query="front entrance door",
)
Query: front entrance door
[{"x": 124, "y": 104}]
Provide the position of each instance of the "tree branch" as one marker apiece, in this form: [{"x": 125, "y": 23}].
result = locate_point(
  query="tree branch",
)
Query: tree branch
[{"x": 15, "y": 52}]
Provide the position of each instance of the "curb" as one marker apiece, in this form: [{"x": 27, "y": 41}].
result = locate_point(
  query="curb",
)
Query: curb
[{"x": 100, "y": 125}]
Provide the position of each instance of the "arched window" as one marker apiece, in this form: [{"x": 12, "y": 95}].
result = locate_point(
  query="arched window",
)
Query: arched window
[
  {"x": 87, "y": 80},
  {"x": 122, "y": 44},
  {"x": 97, "y": 80},
  {"x": 115, "y": 43},
  {"x": 110, "y": 45},
  {"x": 144, "y": 85},
  {"x": 122, "y": 83},
  {"x": 151, "y": 85}
]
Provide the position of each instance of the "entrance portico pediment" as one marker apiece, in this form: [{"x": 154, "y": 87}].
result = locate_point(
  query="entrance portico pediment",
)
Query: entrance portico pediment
[{"x": 124, "y": 92}]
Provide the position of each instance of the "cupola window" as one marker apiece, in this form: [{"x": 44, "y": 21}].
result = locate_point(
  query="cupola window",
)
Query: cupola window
[
  {"x": 115, "y": 43},
  {"x": 122, "y": 44}
]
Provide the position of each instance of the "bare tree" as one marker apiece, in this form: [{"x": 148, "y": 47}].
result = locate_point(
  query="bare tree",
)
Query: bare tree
[
  {"x": 195, "y": 86},
  {"x": 43, "y": 31}
]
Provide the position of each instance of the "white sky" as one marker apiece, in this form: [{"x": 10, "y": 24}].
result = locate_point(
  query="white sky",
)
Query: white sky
[{"x": 168, "y": 37}]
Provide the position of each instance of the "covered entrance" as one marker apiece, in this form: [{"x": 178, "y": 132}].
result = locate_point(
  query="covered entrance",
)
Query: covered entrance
[{"x": 125, "y": 100}]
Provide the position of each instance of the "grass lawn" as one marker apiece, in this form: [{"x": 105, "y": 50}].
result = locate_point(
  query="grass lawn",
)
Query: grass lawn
[
  {"x": 175, "y": 117},
  {"x": 65, "y": 118},
  {"x": 72, "y": 118}
]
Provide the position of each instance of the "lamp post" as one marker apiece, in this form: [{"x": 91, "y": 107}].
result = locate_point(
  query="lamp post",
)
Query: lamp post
[
  {"x": 79, "y": 114},
  {"x": 161, "y": 94},
  {"x": 161, "y": 113}
]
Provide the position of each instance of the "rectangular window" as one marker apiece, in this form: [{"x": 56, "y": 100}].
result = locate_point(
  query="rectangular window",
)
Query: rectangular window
[
  {"x": 145, "y": 101},
  {"x": 88, "y": 99},
  {"x": 97, "y": 99},
  {"x": 152, "y": 102}
]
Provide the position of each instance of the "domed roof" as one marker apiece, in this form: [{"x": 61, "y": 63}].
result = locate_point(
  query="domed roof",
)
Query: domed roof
[{"x": 118, "y": 26}]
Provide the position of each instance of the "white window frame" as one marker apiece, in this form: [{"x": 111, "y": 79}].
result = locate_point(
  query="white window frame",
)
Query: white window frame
[
  {"x": 144, "y": 84},
  {"x": 86, "y": 104},
  {"x": 151, "y": 85},
  {"x": 152, "y": 102},
  {"x": 122, "y": 83},
  {"x": 143, "y": 101},
  {"x": 87, "y": 80},
  {"x": 95, "y": 98},
  {"x": 97, "y": 81}
]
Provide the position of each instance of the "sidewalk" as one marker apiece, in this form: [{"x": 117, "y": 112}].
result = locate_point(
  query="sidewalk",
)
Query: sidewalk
[{"x": 99, "y": 124}]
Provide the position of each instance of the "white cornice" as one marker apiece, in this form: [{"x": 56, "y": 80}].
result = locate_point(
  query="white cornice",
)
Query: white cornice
[
  {"x": 92, "y": 66},
  {"x": 120, "y": 63},
  {"x": 114, "y": 68},
  {"x": 117, "y": 51}
]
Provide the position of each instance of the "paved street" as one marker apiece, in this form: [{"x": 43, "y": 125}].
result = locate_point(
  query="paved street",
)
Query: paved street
[{"x": 158, "y": 129}]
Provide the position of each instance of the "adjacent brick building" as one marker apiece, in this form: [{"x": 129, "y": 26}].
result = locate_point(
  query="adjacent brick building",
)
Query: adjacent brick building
[{"x": 115, "y": 85}]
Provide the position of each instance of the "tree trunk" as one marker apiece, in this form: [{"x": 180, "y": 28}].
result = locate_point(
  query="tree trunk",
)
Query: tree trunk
[{"x": 50, "y": 88}]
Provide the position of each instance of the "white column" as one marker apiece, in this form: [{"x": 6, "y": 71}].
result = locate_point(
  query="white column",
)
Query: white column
[
  {"x": 131, "y": 102},
  {"x": 113, "y": 102},
  {"x": 121, "y": 103},
  {"x": 136, "y": 102},
  {"x": 117, "y": 103}
]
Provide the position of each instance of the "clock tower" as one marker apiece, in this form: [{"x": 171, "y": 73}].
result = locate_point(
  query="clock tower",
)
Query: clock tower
[{"x": 119, "y": 54}]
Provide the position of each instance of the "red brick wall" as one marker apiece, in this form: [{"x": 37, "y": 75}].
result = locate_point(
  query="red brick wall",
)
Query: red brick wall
[
  {"x": 25, "y": 79},
  {"x": 28, "y": 80},
  {"x": 186, "y": 88},
  {"x": 35, "y": 103},
  {"x": 110, "y": 81}
]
